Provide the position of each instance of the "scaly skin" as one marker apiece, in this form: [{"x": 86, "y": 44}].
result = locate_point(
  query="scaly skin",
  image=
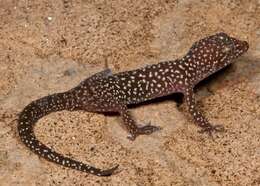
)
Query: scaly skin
[{"x": 105, "y": 92}]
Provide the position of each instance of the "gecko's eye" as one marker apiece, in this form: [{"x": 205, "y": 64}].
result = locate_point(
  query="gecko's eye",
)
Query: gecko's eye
[{"x": 221, "y": 37}]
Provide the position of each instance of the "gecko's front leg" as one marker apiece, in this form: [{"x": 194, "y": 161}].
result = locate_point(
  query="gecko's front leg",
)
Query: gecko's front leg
[
  {"x": 131, "y": 126},
  {"x": 198, "y": 117}
]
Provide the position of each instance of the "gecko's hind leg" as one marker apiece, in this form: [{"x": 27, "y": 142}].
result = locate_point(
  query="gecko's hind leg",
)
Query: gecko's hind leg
[{"x": 131, "y": 126}]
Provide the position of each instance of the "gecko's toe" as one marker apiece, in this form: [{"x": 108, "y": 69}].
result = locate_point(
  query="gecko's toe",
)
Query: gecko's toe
[
  {"x": 143, "y": 130},
  {"x": 148, "y": 129},
  {"x": 212, "y": 128},
  {"x": 131, "y": 137},
  {"x": 219, "y": 128}
]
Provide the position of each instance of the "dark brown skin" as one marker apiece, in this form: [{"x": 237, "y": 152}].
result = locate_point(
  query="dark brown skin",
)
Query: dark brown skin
[{"x": 105, "y": 92}]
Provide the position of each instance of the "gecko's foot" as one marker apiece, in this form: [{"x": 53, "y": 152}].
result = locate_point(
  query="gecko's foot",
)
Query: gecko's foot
[
  {"x": 212, "y": 128},
  {"x": 147, "y": 129}
]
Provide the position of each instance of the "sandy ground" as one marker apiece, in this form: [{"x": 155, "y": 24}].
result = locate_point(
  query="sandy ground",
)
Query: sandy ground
[{"x": 50, "y": 46}]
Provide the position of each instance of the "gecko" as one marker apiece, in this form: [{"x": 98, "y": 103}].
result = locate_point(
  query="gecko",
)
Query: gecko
[{"x": 107, "y": 92}]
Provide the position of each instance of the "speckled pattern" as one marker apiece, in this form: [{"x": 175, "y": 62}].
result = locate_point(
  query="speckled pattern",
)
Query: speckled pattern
[
  {"x": 105, "y": 92},
  {"x": 50, "y": 46}
]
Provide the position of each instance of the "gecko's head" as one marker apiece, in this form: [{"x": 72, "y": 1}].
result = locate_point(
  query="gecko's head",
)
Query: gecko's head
[
  {"x": 217, "y": 51},
  {"x": 226, "y": 48}
]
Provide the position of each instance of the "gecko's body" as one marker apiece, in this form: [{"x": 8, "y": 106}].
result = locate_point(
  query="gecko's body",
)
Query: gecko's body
[{"x": 107, "y": 92}]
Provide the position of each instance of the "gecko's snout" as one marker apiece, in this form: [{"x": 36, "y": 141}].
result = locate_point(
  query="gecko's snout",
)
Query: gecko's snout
[
  {"x": 246, "y": 45},
  {"x": 241, "y": 47}
]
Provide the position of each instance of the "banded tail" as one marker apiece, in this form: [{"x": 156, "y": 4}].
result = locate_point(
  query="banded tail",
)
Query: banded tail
[{"x": 42, "y": 107}]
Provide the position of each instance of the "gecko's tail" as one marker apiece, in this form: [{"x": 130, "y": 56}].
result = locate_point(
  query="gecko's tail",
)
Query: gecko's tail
[{"x": 36, "y": 110}]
